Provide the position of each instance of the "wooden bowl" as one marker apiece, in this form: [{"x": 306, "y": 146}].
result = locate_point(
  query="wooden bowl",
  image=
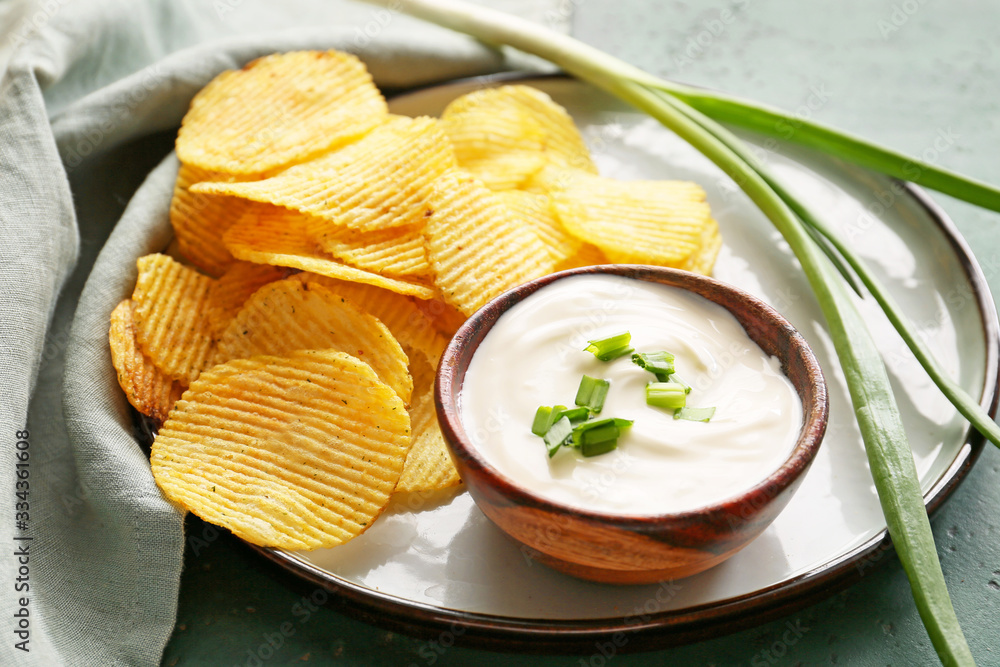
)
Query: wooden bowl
[{"x": 636, "y": 549}]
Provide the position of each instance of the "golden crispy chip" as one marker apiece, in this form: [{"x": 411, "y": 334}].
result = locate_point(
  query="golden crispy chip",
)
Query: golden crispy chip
[
  {"x": 443, "y": 315},
  {"x": 379, "y": 182},
  {"x": 273, "y": 235},
  {"x": 148, "y": 390},
  {"x": 504, "y": 135},
  {"x": 200, "y": 220},
  {"x": 292, "y": 315},
  {"x": 477, "y": 248},
  {"x": 297, "y": 452},
  {"x": 279, "y": 110},
  {"x": 429, "y": 465},
  {"x": 171, "y": 316},
  {"x": 642, "y": 222},
  {"x": 705, "y": 260},
  {"x": 173, "y": 251},
  {"x": 235, "y": 286},
  {"x": 587, "y": 255},
  {"x": 536, "y": 210},
  {"x": 500, "y": 146},
  {"x": 400, "y": 314},
  {"x": 397, "y": 251}
]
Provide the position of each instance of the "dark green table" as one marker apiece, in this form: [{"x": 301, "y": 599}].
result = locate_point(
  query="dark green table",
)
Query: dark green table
[{"x": 898, "y": 72}]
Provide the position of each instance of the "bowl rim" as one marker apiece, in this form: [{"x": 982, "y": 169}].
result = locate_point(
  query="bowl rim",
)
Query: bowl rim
[{"x": 457, "y": 356}]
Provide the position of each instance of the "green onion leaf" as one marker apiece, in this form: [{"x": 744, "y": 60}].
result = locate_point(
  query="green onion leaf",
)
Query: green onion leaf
[
  {"x": 543, "y": 421},
  {"x": 694, "y": 414},
  {"x": 611, "y": 347},
  {"x": 659, "y": 363},
  {"x": 592, "y": 393},
  {"x": 599, "y": 436},
  {"x": 674, "y": 377},
  {"x": 557, "y": 436},
  {"x": 594, "y": 447},
  {"x": 666, "y": 395},
  {"x": 576, "y": 415}
]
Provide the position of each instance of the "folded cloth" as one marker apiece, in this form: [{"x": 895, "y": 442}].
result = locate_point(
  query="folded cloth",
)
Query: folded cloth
[{"x": 90, "y": 102}]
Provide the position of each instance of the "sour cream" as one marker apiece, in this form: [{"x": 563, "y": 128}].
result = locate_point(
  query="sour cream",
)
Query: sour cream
[{"x": 534, "y": 356}]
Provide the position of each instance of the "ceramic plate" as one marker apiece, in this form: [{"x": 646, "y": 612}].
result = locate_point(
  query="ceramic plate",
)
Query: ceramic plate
[{"x": 447, "y": 569}]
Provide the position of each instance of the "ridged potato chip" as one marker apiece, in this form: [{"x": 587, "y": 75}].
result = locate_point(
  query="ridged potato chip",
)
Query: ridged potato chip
[
  {"x": 478, "y": 249},
  {"x": 446, "y": 317},
  {"x": 405, "y": 321},
  {"x": 504, "y": 135},
  {"x": 501, "y": 147},
  {"x": 666, "y": 223},
  {"x": 297, "y": 452},
  {"x": 704, "y": 261},
  {"x": 397, "y": 251},
  {"x": 429, "y": 465},
  {"x": 292, "y": 315},
  {"x": 273, "y": 235},
  {"x": 148, "y": 389},
  {"x": 378, "y": 182},
  {"x": 235, "y": 286},
  {"x": 536, "y": 210},
  {"x": 171, "y": 316},
  {"x": 279, "y": 110},
  {"x": 200, "y": 220},
  {"x": 587, "y": 255}
]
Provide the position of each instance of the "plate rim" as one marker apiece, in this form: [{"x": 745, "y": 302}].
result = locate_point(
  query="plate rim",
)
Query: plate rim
[{"x": 662, "y": 629}]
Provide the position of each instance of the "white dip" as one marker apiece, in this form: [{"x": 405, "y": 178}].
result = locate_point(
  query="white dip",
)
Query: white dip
[{"x": 534, "y": 356}]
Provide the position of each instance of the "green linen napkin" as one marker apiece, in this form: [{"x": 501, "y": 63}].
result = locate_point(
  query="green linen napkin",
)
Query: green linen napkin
[{"x": 89, "y": 104}]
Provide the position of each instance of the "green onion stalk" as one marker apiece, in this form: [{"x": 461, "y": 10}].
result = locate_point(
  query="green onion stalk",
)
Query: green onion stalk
[{"x": 695, "y": 115}]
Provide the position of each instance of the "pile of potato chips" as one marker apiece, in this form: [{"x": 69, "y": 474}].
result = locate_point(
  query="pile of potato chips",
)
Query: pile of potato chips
[{"x": 287, "y": 342}]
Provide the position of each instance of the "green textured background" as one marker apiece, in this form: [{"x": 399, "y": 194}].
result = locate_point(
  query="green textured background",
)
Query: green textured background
[{"x": 896, "y": 72}]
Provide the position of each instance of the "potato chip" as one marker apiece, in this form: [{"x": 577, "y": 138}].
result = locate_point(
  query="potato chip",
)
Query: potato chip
[
  {"x": 273, "y": 235},
  {"x": 405, "y": 321},
  {"x": 705, "y": 259},
  {"x": 279, "y": 110},
  {"x": 171, "y": 316},
  {"x": 429, "y": 465},
  {"x": 397, "y": 251},
  {"x": 554, "y": 178},
  {"x": 379, "y": 182},
  {"x": 478, "y": 249},
  {"x": 148, "y": 389},
  {"x": 235, "y": 286},
  {"x": 292, "y": 315},
  {"x": 536, "y": 210},
  {"x": 643, "y": 222},
  {"x": 587, "y": 255},
  {"x": 504, "y": 135},
  {"x": 296, "y": 452},
  {"x": 501, "y": 147},
  {"x": 443, "y": 315},
  {"x": 200, "y": 220}
]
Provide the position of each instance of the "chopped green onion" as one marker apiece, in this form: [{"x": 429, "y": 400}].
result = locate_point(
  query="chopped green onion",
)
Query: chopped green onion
[
  {"x": 666, "y": 395},
  {"x": 674, "y": 377},
  {"x": 576, "y": 415},
  {"x": 599, "y": 441},
  {"x": 546, "y": 416},
  {"x": 599, "y": 436},
  {"x": 543, "y": 421},
  {"x": 592, "y": 393},
  {"x": 659, "y": 363},
  {"x": 557, "y": 436},
  {"x": 611, "y": 347},
  {"x": 694, "y": 414}
]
